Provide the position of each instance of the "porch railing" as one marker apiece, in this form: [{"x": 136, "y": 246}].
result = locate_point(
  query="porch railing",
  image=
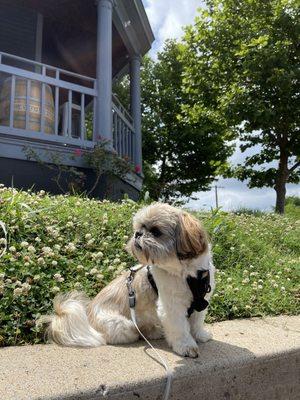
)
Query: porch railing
[
  {"x": 42, "y": 102},
  {"x": 123, "y": 130}
]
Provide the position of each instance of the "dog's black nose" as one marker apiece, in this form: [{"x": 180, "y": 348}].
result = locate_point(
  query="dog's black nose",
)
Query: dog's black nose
[{"x": 138, "y": 234}]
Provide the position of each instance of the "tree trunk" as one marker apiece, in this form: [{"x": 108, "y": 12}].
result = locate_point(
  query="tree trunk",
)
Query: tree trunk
[{"x": 280, "y": 183}]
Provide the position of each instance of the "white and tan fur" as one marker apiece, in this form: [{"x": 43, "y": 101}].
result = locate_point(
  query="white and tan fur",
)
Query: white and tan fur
[{"x": 175, "y": 245}]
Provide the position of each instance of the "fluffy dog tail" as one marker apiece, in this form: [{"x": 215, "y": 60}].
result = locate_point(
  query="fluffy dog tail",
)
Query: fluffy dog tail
[{"x": 69, "y": 326}]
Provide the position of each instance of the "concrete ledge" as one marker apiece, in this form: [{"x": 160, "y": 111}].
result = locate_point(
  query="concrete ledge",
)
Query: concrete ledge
[{"x": 248, "y": 359}]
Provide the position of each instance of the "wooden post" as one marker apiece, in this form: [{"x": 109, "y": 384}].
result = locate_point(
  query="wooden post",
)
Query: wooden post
[
  {"x": 103, "y": 109},
  {"x": 135, "y": 107}
]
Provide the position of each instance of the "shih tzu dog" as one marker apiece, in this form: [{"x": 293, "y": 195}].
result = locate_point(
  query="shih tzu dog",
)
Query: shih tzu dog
[{"x": 177, "y": 276}]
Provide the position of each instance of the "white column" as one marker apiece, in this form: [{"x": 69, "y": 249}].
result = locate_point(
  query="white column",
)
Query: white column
[
  {"x": 103, "y": 117},
  {"x": 135, "y": 106}
]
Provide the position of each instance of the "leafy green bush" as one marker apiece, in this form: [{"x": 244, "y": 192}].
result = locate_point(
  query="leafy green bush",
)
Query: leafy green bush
[{"x": 59, "y": 243}]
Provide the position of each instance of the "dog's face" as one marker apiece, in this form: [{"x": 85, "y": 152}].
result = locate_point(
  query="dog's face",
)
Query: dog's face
[{"x": 163, "y": 234}]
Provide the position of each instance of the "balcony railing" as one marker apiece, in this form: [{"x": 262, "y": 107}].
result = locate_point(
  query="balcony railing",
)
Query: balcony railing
[{"x": 39, "y": 102}]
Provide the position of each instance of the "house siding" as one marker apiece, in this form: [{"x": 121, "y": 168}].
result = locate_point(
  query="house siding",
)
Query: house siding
[{"x": 18, "y": 26}]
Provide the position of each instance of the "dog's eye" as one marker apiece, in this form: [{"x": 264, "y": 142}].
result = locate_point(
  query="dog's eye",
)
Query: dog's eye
[{"x": 155, "y": 231}]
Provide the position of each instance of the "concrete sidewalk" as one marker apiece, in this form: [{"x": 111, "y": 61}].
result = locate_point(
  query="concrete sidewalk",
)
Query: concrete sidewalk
[{"x": 248, "y": 359}]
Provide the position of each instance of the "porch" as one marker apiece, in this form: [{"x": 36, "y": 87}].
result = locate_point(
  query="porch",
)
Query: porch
[
  {"x": 45, "y": 104},
  {"x": 58, "y": 62}
]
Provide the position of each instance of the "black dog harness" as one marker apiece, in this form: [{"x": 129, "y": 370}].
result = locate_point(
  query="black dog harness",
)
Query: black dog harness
[{"x": 199, "y": 286}]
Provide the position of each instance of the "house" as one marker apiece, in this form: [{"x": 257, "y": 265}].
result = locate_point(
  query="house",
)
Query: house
[{"x": 58, "y": 61}]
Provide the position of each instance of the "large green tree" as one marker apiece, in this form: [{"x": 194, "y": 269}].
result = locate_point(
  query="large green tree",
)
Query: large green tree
[
  {"x": 242, "y": 64},
  {"x": 180, "y": 157}
]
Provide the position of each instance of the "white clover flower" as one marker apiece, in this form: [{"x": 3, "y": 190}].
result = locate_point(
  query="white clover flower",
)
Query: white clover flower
[
  {"x": 26, "y": 264},
  {"x": 86, "y": 273},
  {"x": 259, "y": 287},
  {"x": 260, "y": 281},
  {"x": 57, "y": 247},
  {"x": 98, "y": 255},
  {"x": 12, "y": 249},
  {"x": 2, "y": 275},
  {"x": 106, "y": 261},
  {"x": 251, "y": 266},
  {"x": 41, "y": 193},
  {"x": 229, "y": 279},
  {"x": 26, "y": 287},
  {"x": 108, "y": 238},
  {"x": 111, "y": 268},
  {"x": 275, "y": 285},
  {"x": 245, "y": 272},
  {"x": 234, "y": 308},
  {"x": 70, "y": 247},
  {"x": 70, "y": 224},
  {"x": 244, "y": 281},
  {"x": 17, "y": 292},
  {"x": 90, "y": 242},
  {"x": 3, "y": 241},
  {"x": 105, "y": 244},
  {"x": 253, "y": 273},
  {"x": 247, "y": 307},
  {"x": 80, "y": 267},
  {"x": 232, "y": 248},
  {"x": 282, "y": 288},
  {"x": 125, "y": 237},
  {"x": 100, "y": 276},
  {"x": 60, "y": 239},
  {"x": 236, "y": 289},
  {"x": 94, "y": 271},
  {"x": 31, "y": 249},
  {"x": 116, "y": 261},
  {"x": 40, "y": 261},
  {"x": 88, "y": 236},
  {"x": 288, "y": 279},
  {"x": 38, "y": 240},
  {"x": 46, "y": 250},
  {"x": 55, "y": 289},
  {"x": 54, "y": 263},
  {"x": 56, "y": 276},
  {"x": 24, "y": 244},
  {"x": 36, "y": 278}
]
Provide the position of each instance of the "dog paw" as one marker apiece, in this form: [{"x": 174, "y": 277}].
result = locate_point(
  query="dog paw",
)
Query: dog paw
[
  {"x": 203, "y": 336},
  {"x": 155, "y": 335},
  {"x": 191, "y": 351}
]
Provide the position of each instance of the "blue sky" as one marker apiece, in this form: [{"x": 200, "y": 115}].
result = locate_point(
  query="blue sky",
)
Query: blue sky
[{"x": 167, "y": 17}]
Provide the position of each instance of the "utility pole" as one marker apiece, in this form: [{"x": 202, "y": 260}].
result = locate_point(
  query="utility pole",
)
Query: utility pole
[{"x": 216, "y": 194}]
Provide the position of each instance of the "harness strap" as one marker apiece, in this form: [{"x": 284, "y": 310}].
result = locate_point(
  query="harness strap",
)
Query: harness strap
[
  {"x": 151, "y": 280},
  {"x": 199, "y": 286}
]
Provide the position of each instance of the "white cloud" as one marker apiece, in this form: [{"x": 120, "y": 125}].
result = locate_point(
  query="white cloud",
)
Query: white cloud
[
  {"x": 167, "y": 18},
  {"x": 235, "y": 194}
]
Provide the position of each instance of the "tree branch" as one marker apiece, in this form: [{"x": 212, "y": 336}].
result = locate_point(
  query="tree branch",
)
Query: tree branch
[{"x": 295, "y": 166}]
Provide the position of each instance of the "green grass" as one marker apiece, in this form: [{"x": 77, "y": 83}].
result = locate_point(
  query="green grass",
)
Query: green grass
[{"x": 59, "y": 243}]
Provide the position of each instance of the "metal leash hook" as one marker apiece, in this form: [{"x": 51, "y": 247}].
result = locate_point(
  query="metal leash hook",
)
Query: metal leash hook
[{"x": 131, "y": 292}]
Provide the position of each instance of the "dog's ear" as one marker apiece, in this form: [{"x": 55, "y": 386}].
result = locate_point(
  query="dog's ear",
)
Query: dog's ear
[{"x": 191, "y": 239}]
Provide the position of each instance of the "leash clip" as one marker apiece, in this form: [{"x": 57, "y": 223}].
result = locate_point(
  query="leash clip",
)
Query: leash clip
[{"x": 131, "y": 292}]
